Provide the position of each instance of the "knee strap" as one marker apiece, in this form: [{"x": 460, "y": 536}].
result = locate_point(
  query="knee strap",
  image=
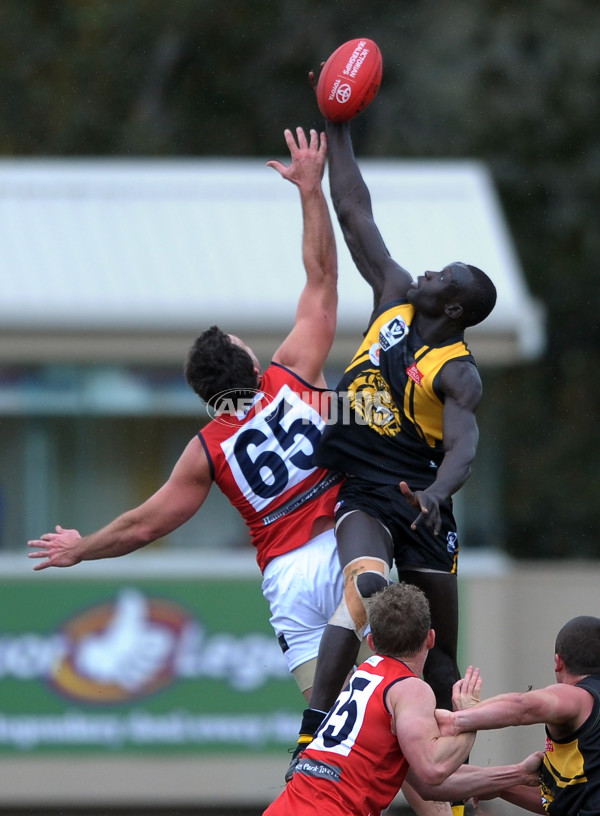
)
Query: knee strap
[{"x": 351, "y": 612}]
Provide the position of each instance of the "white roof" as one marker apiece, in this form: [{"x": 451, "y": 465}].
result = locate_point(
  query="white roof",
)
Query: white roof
[{"x": 98, "y": 255}]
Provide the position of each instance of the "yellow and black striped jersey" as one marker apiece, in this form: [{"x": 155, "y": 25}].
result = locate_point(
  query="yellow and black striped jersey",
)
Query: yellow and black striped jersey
[
  {"x": 386, "y": 423},
  {"x": 570, "y": 773}
]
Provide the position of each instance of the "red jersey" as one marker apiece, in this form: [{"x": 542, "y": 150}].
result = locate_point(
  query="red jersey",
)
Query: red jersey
[
  {"x": 354, "y": 766},
  {"x": 262, "y": 460}
]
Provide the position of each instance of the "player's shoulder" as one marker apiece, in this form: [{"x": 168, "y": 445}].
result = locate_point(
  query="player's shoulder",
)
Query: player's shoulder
[
  {"x": 409, "y": 693},
  {"x": 459, "y": 375},
  {"x": 278, "y": 374}
]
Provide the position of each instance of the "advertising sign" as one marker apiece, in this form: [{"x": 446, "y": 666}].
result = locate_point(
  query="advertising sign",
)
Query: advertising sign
[{"x": 142, "y": 665}]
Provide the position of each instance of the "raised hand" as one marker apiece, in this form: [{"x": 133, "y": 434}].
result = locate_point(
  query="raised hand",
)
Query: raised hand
[
  {"x": 466, "y": 692},
  {"x": 308, "y": 158}
]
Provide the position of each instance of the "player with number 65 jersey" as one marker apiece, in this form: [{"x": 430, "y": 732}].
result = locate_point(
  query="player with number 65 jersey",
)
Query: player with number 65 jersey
[
  {"x": 261, "y": 459},
  {"x": 258, "y": 448}
]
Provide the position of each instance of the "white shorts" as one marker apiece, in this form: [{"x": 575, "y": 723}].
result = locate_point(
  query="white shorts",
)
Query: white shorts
[{"x": 303, "y": 588}]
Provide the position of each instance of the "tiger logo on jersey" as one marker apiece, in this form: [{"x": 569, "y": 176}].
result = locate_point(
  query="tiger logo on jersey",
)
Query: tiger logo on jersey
[{"x": 371, "y": 400}]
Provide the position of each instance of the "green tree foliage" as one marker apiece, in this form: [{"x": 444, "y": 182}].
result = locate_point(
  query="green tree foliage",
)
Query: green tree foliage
[{"x": 512, "y": 83}]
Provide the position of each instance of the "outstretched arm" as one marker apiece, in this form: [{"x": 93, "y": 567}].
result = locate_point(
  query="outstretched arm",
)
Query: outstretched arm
[
  {"x": 306, "y": 348},
  {"x": 461, "y": 385},
  {"x": 173, "y": 504},
  {"x": 352, "y": 202},
  {"x": 562, "y": 706}
]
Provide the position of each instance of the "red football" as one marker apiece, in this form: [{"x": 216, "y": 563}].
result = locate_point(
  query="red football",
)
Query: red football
[{"x": 349, "y": 80}]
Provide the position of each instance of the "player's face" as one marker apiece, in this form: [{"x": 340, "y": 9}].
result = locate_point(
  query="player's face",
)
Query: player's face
[
  {"x": 249, "y": 352},
  {"x": 432, "y": 291}
]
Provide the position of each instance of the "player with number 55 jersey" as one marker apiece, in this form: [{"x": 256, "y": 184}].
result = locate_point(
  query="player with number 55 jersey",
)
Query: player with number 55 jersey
[{"x": 382, "y": 724}]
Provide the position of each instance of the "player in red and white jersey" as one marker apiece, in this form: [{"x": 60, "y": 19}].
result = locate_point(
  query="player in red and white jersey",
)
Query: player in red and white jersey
[
  {"x": 258, "y": 452},
  {"x": 382, "y": 728},
  {"x": 261, "y": 459}
]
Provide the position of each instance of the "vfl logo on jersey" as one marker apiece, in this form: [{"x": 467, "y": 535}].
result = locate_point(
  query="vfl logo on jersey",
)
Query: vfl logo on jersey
[
  {"x": 392, "y": 333},
  {"x": 414, "y": 374},
  {"x": 370, "y": 399}
]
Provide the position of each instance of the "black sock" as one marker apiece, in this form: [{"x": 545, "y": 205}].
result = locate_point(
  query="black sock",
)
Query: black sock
[{"x": 311, "y": 720}]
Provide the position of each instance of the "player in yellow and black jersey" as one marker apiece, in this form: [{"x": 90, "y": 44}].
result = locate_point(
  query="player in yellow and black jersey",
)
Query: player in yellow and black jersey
[
  {"x": 390, "y": 403},
  {"x": 570, "y": 709},
  {"x": 404, "y": 433}
]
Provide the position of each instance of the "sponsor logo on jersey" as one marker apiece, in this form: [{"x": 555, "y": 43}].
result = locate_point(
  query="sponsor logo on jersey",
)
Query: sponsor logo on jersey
[
  {"x": 392, "y": 333},
  {"x": 374, "y": 353},
  {"x": 321, "y": 770},
  {"x": 414, "y": 374}
]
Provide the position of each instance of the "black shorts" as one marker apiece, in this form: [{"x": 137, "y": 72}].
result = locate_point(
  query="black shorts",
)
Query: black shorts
[{"x": 416, "y": 549}]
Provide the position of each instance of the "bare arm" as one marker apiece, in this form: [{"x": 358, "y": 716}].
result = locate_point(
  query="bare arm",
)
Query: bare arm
[
  {"x": 352, "y": 202},
  {"x": 173, "y": 504},
  {"x": 431, "y": 756},
  {"x": 306, "y": 347},
  {"x": 513, "y": 782},
  {"x": 528, "y": 798},
  {"x": 461, "y": 385},
  {"x": 563, "y": 707}
]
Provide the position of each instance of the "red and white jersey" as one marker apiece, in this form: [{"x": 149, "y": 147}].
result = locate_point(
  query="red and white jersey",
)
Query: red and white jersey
[
  {"x": 261, "y": 460},
  {"x": 354, "y": 766}
]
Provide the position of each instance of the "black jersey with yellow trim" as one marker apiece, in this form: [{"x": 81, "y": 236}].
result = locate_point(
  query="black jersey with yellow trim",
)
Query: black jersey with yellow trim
[
  {"x": 387, "y": 421},
  {"x": 570, "y": 772}
]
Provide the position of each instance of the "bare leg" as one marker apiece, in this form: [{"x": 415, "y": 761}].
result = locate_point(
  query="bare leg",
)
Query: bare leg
[{"x": 358, "y": 535}]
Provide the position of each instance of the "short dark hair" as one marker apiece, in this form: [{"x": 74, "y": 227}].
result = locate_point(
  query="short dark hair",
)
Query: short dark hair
[
  {"x": 578, "y": 643},
  {"x": 478, "y": 300},
  {"x": 400, "y": 620},
  {"x": 215, "y": 365}
]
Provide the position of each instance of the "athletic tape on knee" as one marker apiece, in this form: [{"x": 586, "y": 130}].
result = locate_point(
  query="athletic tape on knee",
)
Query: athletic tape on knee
[{"x": 351, "y": 612}]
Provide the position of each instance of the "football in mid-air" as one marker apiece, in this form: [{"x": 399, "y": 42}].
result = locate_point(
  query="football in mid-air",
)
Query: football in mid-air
[{"x": 349, "y": 80}]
